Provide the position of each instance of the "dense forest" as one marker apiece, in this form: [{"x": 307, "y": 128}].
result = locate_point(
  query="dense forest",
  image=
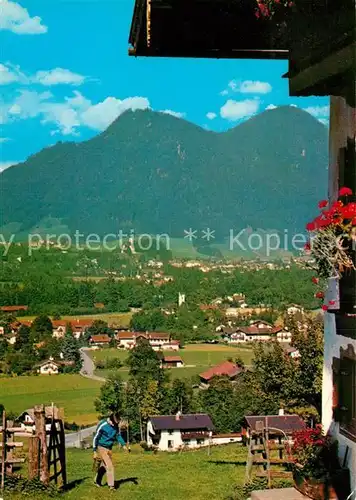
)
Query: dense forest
[{"x": 47, "y": 284}]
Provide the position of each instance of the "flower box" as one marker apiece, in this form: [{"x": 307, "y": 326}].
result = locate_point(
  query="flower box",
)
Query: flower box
[{"x": 337, "y": 487}]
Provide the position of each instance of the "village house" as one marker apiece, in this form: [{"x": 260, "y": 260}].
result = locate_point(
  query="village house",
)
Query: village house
[
  {"x": 292, "y": 352},
  {"x": 27, "y": 418},
  {"x": 49, "y": 367},
  {"x": 78, "y": 327},
  {"x": 257, "y": 331},
  {"x": 157, "y": 340},
  {"x": 232, "y": 312},
  {"x": 99, "y": 340},
  {"x": 174, "y": 432},
  {"x": 295, "y": 309},
  {"x": 172, "y": 362},
  {"x": 225, "y": 369}
]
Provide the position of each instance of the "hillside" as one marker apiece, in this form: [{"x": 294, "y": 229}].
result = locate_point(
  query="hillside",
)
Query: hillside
[{"x": 155, "y": 173}]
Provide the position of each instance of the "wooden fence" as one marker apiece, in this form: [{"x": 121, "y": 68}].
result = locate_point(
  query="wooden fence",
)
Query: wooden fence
[{"x": 46, "y": 447}]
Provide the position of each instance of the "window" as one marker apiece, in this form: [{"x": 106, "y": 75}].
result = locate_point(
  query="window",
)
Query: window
[
  {"x": 170, "y": 432},
  {"x": 344, "y": 400},
  {"x": 170, "y": 444},
  {"x": 200, "y": 442}
]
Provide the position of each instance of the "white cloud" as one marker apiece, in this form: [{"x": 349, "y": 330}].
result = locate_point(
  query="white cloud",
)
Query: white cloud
[
  {"x": 9, "y": 73},
  {"x": 271, "y": 106},
  {"x": 254, "y": 87},
  {"x": 176, "y": 114},
  {"x": 15, "y": 18},
  {"x": 100, "y": 116},
  {"x": 318, "y": 111},
  {"x": 6, "y": 164},
  {"x": 58, "y": 76},
  {"x": 70, "y": 114},
  {"x": 4, "y": 139},
  {"x": 236, "y": 110},
  {"x": 211, "y": 115},
  {"x": 248, "y": 87}
]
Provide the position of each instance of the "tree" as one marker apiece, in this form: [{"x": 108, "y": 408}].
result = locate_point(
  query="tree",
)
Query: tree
[
  {"x": 112, "y": 396},
  {"x": 149, "y": 403},
  {"x": 144, "y": 363},
  {"x": 23, "y": 338},
  {"x": 177, "y": 396},
  {"x": 218, "y": 402},
  {"x": 41, "y": 328},
  {"x": 70, "y": 351},
  {"x": 308, "y": 338},
  {"x": 98, "y": 327}
]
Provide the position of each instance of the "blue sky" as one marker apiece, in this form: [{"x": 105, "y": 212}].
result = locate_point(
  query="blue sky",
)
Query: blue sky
[{"x": 65, "y": 74}]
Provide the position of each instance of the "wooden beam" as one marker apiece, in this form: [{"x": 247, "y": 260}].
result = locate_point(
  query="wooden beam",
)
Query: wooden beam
[
  {"x": 203, "y": 53},
  {"x": 33, "y": 457},
  {"x": 333, "y": 65}
]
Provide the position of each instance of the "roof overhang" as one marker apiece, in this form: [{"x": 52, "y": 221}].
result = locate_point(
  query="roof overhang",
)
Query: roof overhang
[{"x": 225, "y": 29}]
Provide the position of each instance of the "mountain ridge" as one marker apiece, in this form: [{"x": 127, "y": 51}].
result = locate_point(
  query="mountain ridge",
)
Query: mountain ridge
[{"x": 153, "y": 172}]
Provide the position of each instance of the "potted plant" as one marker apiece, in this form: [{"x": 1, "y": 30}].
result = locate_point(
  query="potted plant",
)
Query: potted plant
[
  {"x": 332, "y": 246},
  {"x": 315, "y": 464}
]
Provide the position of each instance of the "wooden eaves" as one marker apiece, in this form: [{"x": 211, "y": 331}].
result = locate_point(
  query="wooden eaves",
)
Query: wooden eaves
[{"x": 204, "y": 29}]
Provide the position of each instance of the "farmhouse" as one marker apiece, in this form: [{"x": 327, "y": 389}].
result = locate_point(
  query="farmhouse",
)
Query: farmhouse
[
  {"x": 173, "y": 432},
  {"x": 258, "y": 331},
  {"x": 49, "y": 367},
  {"x": 172, "y": 362},
  {"x": 99, "y": 340},
  {"x": 27, "y": 418},
  {"x": 157, "y": 340},
  {"x": 225, "y": 369}
]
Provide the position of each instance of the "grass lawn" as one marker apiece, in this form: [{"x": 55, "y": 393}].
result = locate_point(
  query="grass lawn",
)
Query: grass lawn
[
  {"x": 119, "y": 319},
  {"x": 197, "y": 357},
  {"x": 74, "y": 393},
  {"x": 190, "y": 475}
]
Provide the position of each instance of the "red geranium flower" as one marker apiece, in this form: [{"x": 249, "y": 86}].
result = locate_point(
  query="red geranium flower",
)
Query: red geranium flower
[
  {"x": 323, "y": 204},
  {"x": 319, "y": 295},
  {"x": 325, "y": 308},
  {"x": 315, "y": 280},
  {"x": 345, "y": 191},
  {"x": 311, "y": 226},
  {"x": 331, "y": 302}
]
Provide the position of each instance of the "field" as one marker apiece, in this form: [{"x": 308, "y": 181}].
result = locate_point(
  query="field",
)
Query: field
[
  {"x": 196, "y": 357},
  {"x": 74, "y": 393},
  {"x": 120, "y": 319},
  {"x": 190, "y": 475}
]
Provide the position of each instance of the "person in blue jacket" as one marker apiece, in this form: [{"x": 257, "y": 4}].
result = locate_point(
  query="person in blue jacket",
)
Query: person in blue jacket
[{"x": 106, "y": 435}]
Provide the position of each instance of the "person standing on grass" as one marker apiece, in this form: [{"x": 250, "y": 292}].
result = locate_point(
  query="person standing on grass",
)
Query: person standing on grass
[{"x": 107, "y": 433}]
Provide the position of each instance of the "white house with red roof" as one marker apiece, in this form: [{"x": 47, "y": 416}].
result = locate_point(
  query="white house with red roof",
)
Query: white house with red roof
[
  {"x": 159, "y": 341},
  {"x": 257, "y": 331}
]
